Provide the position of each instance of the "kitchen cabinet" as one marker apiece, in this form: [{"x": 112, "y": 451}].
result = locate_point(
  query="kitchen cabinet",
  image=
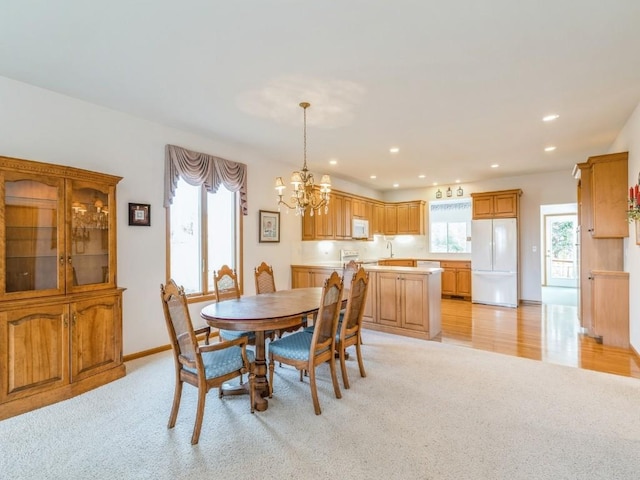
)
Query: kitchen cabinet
[
  {"x": 411, "y": 218},
  {"x": 342, "y": 216},
  {"x": 403, "y": 218},
  {"x": 398, "y": 301},
  {"x": 608, "y": 195},
  {"x": 610, "y": 305},
  {"x": 406, "y": 218},
  {"x": 500, "y": 204},
  {"x": 60, "y": 308},
  {"x": 602, "y": 226},
  {"x": 304, "y": 277},
  {"x": 456, "y": 278},
  {"x": 377, "y": 223},
  {"x": 408, "y": 302}
]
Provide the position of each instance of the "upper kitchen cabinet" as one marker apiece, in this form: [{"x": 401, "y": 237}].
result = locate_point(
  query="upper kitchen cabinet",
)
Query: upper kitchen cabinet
[
  {"x": 406, "y": 218},
  {"x": 377, "y": 219},
  {"x": 501, "y": 204},
  {"x": 603, "y": 182}
]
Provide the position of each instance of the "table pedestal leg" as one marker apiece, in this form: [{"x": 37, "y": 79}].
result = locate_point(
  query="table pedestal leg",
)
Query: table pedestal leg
[{"x": 261, "y": 384}]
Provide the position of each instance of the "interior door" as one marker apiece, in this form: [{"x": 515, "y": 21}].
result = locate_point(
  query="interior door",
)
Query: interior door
[{"x": 560, "y": 250}]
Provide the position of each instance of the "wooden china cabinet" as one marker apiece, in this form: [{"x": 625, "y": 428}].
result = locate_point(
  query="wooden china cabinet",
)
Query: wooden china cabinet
[{"x": 60, "y": 306}]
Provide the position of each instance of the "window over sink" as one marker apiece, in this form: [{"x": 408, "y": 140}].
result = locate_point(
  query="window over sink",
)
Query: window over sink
[{"x": 450, "y": 226}]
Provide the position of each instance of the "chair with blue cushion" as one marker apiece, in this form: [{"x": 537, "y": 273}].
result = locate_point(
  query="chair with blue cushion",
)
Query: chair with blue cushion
[
  {"x": 226, "y": 286},
  {"x": 306, "y": 350},
  {"x": 350, "y": 326},
  {"x": 205, "y": 366},
  {"x": 265, "y": 283}
]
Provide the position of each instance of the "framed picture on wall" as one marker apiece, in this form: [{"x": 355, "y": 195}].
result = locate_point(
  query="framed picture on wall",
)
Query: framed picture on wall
[
  {"x": 140, "y": 214},
  {"x": 269, "y": 226}
]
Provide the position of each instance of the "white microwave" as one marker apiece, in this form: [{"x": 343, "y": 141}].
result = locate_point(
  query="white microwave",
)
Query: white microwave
[{"x": 360, "y": 228}]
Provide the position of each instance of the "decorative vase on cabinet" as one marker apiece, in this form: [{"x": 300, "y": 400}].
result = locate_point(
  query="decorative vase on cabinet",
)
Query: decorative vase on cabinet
[{"x": 60, "y": 307}]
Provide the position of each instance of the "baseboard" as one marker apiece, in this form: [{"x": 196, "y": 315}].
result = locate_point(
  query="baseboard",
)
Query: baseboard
[
  {"x": 161, "y": 348},
  {"x": 530, "y": 302}
]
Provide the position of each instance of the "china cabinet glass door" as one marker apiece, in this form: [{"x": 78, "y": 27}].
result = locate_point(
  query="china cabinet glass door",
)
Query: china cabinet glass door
[
  {"x": 90, "y": 236},
  {"x": 34, "y": 243}
]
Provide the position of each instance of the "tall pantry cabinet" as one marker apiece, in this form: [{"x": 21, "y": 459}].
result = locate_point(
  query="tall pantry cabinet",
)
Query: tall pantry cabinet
[
  {"x": 603, "y": 305},
  {"x": 60, "y": 306}
]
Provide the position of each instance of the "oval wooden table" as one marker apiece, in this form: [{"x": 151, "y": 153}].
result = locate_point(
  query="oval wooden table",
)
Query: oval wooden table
[{"x": 259, "y": 313}]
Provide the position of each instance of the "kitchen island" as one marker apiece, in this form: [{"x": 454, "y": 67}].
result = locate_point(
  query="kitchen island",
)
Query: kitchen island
[{"x": 401, "y": 300}]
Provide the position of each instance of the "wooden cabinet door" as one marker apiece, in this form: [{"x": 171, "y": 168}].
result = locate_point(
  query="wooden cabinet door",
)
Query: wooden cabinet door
[
  {"x": 463, "y": 282},
  {"x": 308, "y": 226},
  {"x": 378, "y": 218},
  {"x": 300, "y": 277},
  {"x": 388, "y": 295},
  {"x": 610, "y": 303},
  {"x": 449, "y": 281},
  {"x": 390, "y": 219},
  {"x": 505, "y": 205},
  {"x": 482, "y": 206},
  {"x": 34, "y": 350},
  {"x": 370, "y": 301},
  {"x": 318, "y": 277},
  {"x": 95, "y": 332},
  {"x": 324, "y": 224},
  {"x": 402, "y": 219},
  {"x": 412, "y": 303},
  {"x": 337, "y": 205},
  {"x": 609, "y": 198}
]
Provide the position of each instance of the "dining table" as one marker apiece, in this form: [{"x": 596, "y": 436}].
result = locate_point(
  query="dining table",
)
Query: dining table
[{"x": 261, "y": 313}]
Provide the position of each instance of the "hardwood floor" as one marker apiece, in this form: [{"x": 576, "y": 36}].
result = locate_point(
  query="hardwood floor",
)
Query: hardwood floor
[{"x": 549, "y": 333}]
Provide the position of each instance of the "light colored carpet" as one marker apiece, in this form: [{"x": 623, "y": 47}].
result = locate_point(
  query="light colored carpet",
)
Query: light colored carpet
[{"x": 425, "y": 411}]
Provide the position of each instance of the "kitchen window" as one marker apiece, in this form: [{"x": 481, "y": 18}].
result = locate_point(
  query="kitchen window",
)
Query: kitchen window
[
  {"x": 450, "y": 226},
  {"x": 203, "y": 234}
]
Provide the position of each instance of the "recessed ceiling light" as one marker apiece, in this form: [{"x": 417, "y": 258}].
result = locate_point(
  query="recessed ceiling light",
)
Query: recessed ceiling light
[
  {"x": 373, "y": 177},
  {"x": 458, "y": 181},
  {"x": 550, "y": 148},
  {"x": 550, "y": 118},
  {"x": 435, "y": 184},
  {"x": 333, "y": 162},
  {"x": 396, "y": 185},
  {"x": 495, "y": 165},
  {"x": 422, "y": 176},
  {"x": 394, "y": 149}
]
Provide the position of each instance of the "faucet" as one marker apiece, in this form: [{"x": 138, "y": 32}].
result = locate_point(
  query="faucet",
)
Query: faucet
[{"x": 390, "y": 248}]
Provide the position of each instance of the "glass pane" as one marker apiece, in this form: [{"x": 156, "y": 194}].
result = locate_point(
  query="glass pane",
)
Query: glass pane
[
  {"x": 89, "y": 236},
  {"x": 184, "y": 240},
  {"x": 221, "y": 211},
  {"x": 449, "y": 222},
  {"x": 31, "y": 255}
]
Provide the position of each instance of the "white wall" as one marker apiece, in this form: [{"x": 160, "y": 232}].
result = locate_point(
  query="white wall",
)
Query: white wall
[{"x": 629, "y": 141}]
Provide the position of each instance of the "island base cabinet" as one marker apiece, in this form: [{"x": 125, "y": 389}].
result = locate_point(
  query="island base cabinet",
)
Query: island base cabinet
[
  {"x": 407, "y": 304},
  {"x": 53, "y": 352}
]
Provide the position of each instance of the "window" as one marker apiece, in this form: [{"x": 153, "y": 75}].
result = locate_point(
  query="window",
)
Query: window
[
  {"x": 450, "y": 226},
  {"x": 204, "y": 233}
]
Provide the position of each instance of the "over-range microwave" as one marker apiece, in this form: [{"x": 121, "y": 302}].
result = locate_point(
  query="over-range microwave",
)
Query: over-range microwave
[{"x": 360, "y": 228}]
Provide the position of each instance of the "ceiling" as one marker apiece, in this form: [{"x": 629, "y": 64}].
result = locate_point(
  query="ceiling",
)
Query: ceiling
[{"x": 457, "y": 86}]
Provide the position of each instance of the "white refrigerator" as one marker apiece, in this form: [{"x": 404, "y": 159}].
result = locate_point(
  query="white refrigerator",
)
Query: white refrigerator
[{"x": 494, "y": 262}]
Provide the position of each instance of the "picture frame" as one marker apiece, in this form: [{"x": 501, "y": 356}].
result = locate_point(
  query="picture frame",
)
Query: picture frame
[
  {"x": 140, "y": 214},
  {"x": 269, "y": 226}
]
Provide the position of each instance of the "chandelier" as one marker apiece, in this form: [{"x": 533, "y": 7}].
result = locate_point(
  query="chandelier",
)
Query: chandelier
[{"x": 305, "y": 194}]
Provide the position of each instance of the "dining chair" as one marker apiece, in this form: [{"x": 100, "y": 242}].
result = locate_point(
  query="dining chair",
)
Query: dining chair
[
  {"x": 205, "y": 366},
  {"x": 265, "y": 283},
  {"x": 226, "y": 286},
  {"x": 306, "y": 350},
  {"x": 350, "y": 326}
]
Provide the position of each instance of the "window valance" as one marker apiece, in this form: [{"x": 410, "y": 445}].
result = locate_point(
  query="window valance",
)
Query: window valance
[{"x": 201, "y": 169}]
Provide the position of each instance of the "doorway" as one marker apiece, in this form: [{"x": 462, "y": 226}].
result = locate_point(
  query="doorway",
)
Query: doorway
[{"x": 559, "y": 259}]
